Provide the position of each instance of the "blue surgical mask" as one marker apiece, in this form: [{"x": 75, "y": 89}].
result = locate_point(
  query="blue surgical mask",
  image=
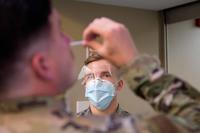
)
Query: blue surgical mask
[{"x": 100, "y": 93}]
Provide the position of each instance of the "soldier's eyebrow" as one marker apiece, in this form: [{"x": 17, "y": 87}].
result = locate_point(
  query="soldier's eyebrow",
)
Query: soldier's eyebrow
[
  {"x": 89, "y": 74},
  {"x": 105, "y": 71}
]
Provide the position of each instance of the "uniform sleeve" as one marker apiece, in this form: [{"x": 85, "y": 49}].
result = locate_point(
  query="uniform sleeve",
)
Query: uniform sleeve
[{"x": 166, "y": 93}]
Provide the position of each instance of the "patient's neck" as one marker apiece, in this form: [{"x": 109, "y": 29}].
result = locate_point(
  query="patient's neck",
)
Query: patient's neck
[{"x": 108, "y": 111}]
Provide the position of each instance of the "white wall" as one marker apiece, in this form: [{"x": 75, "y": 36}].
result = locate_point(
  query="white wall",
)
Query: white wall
[{"x": 184, "y": 51}]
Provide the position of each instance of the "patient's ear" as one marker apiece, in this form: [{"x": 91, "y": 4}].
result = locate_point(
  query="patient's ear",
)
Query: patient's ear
[
  {"x": 120, "y": 85},
  {"x": 41, "y": 66}
]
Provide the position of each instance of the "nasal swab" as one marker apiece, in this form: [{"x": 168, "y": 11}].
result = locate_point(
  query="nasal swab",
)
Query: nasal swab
[{"x": 77, "y": 43}]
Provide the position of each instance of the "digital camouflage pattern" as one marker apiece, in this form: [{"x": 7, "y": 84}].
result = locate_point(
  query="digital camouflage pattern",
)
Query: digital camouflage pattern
[
  {"x": 166, "y": 93},
  {"x": 177, "y": 104}
]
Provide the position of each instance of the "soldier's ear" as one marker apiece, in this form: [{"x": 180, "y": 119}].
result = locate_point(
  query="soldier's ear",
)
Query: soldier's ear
[
  {"x": 120, "y": 85},
  {"x": 41, "y": 66}
]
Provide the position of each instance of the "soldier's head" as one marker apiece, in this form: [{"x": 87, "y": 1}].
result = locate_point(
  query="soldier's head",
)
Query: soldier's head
[
  {"x": 101, "y": 81},
  {"x": 34, "y": 51}
]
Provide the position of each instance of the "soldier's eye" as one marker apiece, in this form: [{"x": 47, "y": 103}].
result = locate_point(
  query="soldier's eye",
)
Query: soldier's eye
[
  {"x": 90, "y": 76},
  {"x": 106, "y": 74}
]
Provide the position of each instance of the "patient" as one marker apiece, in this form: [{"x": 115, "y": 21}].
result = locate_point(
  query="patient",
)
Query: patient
[{"x": 102, "y": 86}]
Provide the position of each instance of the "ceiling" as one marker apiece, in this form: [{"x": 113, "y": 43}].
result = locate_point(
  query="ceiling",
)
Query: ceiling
[{"x": 143, "y": 4}]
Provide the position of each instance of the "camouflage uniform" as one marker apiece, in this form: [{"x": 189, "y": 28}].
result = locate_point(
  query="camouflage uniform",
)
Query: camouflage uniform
[
  {"x": 176, "y": 101},
  {"x": 119, "y": 112}
]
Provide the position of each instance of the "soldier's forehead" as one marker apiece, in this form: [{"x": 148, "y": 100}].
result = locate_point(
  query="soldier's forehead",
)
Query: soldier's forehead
[{"x": 101, "y": 65}]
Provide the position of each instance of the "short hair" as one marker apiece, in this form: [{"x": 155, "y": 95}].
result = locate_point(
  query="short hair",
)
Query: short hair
[
  {"x": 93, "y": 56},
  {"x": 20, "y": 20}
]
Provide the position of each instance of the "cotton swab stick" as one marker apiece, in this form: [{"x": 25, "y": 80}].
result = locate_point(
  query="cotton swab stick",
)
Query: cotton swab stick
[{"x": 77, "y": 43}]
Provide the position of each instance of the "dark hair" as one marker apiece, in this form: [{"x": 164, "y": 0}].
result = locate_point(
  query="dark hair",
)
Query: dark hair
[
  {"x": 93, "y": 56},
  {"x": 19, "y": 21}
]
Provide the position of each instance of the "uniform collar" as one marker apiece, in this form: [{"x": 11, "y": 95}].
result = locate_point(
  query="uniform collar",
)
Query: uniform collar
[
  {"x": 17, "y": 105},
  {"x": 118, "y": 110}
]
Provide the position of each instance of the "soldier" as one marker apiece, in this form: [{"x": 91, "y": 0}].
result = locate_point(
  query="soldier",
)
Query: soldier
[
  {"x": 33, "y": 61},
  {"x": 102, "y": 85}
]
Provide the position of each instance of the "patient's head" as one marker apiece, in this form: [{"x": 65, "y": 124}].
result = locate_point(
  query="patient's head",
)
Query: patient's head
[{"x": 101, "y": 82}]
